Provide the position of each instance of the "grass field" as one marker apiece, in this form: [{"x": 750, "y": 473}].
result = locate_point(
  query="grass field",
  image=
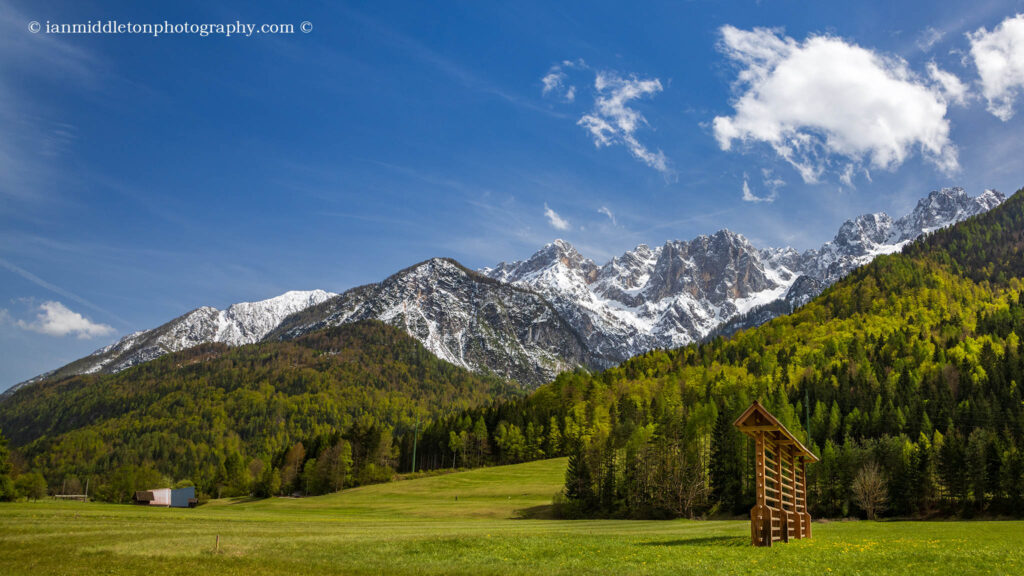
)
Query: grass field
[{"x": 477, "y": 522}]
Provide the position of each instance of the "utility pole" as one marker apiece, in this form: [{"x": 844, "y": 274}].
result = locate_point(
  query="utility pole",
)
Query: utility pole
[{"x": 415, "y": 437}]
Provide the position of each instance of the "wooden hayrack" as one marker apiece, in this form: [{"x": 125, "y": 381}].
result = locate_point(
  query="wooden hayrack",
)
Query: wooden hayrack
[{"x": 780, "y": 512}]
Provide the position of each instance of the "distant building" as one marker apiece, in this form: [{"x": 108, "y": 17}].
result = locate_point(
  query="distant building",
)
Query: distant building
[{"x": 172, "y": 498}]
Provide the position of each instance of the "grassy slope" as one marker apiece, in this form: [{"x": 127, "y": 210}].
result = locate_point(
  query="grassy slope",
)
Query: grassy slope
[{"x": 418, "y": 527}]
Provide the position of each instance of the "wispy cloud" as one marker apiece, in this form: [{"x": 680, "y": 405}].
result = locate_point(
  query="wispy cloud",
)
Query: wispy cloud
[
  {"x": 34, "y": 135},
  {"x": 999, "y": 57},
  {"x": 928, "y": 38},
  {"x": 468, "y": 78},
  {"x": 949, "y": 85},
  {"x": 749, "y": 196},
  {"x": 55, "y": 319},
  {"x": 790, "y": 92},
  {"x": 604, "y": 210},
  {"x": 56, "y": 289},
  {"x": 556, "y": 81},
  {"x": 613, "y": 119},
  {"x": 556, "y": 221}
]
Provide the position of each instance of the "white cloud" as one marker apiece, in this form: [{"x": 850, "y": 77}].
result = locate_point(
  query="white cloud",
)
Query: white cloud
[
  {"x": 556, "y": 81},
  {"x": 613, "y": 122},
  {"x": 55, "y": 319},
  {"x": 556, "y": 221},
  {"x": 825, "y": 98},
  {"x": 749, "y": 196},
  {"x": 847, "y": 176},
  {"x": 999, "y": 57},
  {"x": 929, "y": 37},
  {"x": 604, "y": 210},
  {"x": 951, "y": 87}
]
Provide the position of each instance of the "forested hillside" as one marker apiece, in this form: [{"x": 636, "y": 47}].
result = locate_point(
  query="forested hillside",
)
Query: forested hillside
[
  {"x": 912, "y": 362},
  {"x": 311, "y": 415}
]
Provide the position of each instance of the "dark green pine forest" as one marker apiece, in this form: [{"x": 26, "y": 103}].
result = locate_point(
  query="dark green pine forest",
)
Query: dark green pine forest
[{"x": 909, "y": 368}]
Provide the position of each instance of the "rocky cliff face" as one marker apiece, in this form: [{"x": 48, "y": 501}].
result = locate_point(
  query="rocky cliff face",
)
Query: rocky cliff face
[
  {"x": 650, "y": 298},
  {"x": 462, "y": 317}
]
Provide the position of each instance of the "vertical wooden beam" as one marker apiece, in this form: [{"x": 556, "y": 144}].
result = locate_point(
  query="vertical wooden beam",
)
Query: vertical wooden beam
[
  {"x": 760, "y": 514},
  {"x": 780, "y": 454},
  {"x": 760, "y": 468},
  {"x": 794, "y": 481},
  {"x": 806, "y": 512}
]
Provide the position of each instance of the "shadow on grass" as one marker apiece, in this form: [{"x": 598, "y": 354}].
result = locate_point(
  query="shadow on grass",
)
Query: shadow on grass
[
  {"x": 240, "y": 500},
  {"x": 732, "y": 541},
  {"x": 543, "y": 512}
]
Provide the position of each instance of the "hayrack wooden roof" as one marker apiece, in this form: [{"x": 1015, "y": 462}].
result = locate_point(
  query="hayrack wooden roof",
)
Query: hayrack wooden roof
[{"x": 757, "y": 419}]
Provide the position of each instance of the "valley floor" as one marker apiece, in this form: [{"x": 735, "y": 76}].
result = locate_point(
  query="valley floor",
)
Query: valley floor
[{"x": 479, "y": 522}]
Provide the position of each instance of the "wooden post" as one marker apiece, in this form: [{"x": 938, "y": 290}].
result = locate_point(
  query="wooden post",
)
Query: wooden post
[
  {"x": 760, "y": 514},
  {"x": 797, "y": 517},
  {"x": 806, "y": 513},
  {"x": 780, "y": 456}
]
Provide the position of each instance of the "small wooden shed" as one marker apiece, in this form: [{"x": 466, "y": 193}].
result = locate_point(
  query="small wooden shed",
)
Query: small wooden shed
[
  {"x": 780, "y": 467},
  {"x": 176, "y": 498}
]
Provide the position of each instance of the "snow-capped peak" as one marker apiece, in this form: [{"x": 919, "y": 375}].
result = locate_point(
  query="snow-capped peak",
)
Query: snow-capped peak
[
  {"x": 241, "y": 323},
  {"x": 249, "y": 322}
]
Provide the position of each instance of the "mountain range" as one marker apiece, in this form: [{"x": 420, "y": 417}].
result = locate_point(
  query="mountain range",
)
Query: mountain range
[{"x": 557, "y": 310}]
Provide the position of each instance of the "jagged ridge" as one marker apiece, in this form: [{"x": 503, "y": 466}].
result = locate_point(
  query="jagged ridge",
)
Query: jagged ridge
[
  {"x": 685, "y": 291},
  {"x": 557, "y": 310}
]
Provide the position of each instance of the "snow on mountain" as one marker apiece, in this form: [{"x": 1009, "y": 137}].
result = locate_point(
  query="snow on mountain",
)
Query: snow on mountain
[
  {"x": 242, "y": 323},
  {"x": 461, "y": 316},
  {"x": 682, "y": 292},
  {"x": 861, "y": 239},
  {"x": 650, "y": 298}
]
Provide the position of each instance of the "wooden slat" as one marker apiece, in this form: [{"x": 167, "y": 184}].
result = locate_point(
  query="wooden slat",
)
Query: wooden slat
[
  {"x": 759, "y": 467},
  {"x": 765, "y": 428}
]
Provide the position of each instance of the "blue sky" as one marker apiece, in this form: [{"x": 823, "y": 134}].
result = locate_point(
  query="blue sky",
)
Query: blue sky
[{"x": 142, "y": 177}]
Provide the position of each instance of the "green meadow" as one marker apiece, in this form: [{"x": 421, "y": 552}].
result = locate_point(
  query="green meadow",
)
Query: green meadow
[{"x": 486, "y": 521}]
